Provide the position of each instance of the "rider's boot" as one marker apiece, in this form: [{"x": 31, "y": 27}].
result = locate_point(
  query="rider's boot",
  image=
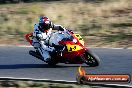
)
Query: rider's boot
[
  {"x": 37, "y": 52},
  {"x": 47, "y": 60}
]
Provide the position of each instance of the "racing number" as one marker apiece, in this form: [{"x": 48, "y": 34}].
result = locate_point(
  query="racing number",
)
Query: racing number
[
  {"x": 72, "y": 48},
  {"x": 78, "y": 36}
]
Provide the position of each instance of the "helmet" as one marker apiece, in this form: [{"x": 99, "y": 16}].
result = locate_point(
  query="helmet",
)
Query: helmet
[{"x": 44, "y": 23}]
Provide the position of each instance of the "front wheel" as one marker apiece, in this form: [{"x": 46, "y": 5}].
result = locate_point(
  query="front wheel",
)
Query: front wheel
[{"x": 90, "y": 58}]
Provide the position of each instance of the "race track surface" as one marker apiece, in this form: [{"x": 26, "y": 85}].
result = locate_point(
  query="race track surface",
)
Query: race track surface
[{"x": 16, "y": 62}]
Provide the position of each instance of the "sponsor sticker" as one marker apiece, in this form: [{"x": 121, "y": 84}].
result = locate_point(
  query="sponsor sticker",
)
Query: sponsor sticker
[{"x": 83, "y": 77}]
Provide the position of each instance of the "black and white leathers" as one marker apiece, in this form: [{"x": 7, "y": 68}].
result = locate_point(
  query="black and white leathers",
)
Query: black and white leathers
[{"x": 40, "y": 39}]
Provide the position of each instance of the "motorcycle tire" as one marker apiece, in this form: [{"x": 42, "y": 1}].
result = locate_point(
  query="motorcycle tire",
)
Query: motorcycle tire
[{"x": 90, "y": 58}]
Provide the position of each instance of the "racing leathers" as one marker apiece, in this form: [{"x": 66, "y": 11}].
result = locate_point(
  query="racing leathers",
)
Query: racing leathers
[{"x": 40, "y": 40}]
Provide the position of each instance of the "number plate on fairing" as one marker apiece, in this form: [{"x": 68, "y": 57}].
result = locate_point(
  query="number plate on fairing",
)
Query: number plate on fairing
[{"x": 72, "y": 48}]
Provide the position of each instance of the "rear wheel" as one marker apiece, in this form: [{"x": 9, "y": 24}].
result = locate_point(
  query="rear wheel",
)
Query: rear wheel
[{"x": 90, "y": 58}]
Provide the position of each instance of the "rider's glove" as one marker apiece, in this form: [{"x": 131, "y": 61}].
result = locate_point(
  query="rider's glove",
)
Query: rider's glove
[
  {"x": 70, "y": 31},
  {"x": 60, "y": 32},
  {"x": 61, "y": 28}
]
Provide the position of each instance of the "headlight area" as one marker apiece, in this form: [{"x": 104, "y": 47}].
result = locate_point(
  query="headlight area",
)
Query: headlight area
[{"x": 74, "y": 40}]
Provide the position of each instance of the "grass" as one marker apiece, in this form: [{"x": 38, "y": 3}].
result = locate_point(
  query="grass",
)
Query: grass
[
  {"x": 36, "y": 84},
  {"x": 109, "y": 18}
]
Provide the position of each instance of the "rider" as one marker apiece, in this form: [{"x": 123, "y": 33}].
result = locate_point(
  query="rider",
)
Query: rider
[{"x": 41, "y": 35}]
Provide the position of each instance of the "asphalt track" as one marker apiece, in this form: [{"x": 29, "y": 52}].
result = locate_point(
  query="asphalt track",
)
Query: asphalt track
[{"x": 16, "y": 62}]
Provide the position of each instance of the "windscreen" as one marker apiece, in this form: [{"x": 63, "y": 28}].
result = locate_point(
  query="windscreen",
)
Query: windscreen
[{"x": 59, "y": 36}]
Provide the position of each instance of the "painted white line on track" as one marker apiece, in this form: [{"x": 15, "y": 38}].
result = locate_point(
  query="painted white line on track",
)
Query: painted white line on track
[
  {"x": 2, "y": 45},
  {"x": 108, "y": 48},
  {"x": 61, "y": 81},
  {"x": 13, "y": 78},
  {"x": 24, "y": 46}
]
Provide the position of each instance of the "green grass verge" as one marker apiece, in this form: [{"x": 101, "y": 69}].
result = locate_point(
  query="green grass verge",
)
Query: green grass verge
[{"x": 34, "y": 84}]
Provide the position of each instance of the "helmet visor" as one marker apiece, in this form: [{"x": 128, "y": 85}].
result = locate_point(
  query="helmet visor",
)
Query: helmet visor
[{"x": 45, "y": 26}]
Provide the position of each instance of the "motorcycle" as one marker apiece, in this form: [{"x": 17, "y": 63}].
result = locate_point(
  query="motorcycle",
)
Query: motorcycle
[{"x": 69, "y": 49}]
